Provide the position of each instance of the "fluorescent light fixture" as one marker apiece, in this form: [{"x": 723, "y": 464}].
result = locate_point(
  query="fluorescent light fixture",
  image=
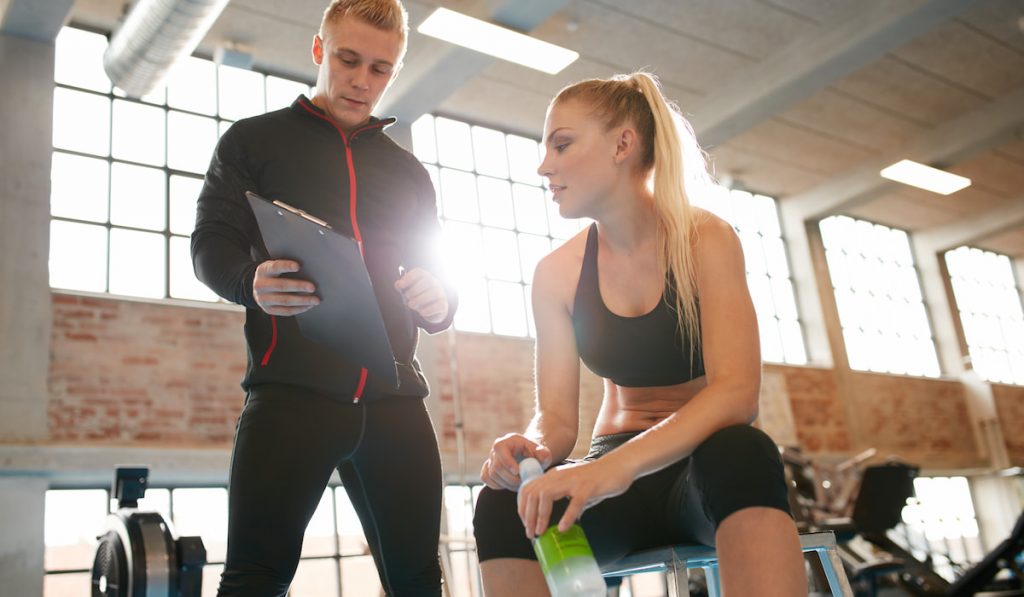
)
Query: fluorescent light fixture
[
  {"x": 925, "y": 177},
  {"x": 465, "y": 31}
]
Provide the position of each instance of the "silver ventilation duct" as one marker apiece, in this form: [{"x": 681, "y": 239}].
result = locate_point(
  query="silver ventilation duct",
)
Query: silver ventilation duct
[{"x": 155, "y": 35}]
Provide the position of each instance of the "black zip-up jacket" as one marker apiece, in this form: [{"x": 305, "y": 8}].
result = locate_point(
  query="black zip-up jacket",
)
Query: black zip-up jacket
[{"x": 362, "y": 184}]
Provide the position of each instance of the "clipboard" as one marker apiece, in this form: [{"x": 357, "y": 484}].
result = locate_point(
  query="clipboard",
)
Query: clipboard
[{"x": 348, "y": 320}]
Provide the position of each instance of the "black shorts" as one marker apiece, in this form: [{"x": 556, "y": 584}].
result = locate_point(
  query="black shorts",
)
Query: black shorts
[{"x": 737, "y": 467}]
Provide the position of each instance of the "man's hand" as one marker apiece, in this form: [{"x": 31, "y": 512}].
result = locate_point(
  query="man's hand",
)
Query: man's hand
[
  {"x": 423, "y": 293},
  {"x": 282, "y": 296}
]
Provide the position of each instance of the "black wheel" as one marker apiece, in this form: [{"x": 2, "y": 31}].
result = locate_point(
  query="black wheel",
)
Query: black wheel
[{"x": 110, "y": 568}]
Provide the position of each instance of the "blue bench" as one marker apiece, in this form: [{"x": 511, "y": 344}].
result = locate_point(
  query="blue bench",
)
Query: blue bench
[{"x": 675, "y": 560}]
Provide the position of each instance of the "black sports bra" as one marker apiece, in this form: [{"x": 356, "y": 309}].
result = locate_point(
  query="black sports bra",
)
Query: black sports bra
[{"x": 642, "y": 351}]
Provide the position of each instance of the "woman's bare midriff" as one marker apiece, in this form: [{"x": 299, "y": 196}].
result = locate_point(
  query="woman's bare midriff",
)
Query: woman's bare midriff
[{"x": 638, "y": 409}]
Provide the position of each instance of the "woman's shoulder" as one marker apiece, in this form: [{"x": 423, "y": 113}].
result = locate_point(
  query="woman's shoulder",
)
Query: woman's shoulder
[
  {"x": 712, "y": 228},
  {"x": 559, "y": 270}
]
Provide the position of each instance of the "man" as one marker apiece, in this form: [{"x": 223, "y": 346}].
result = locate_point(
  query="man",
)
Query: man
[{"x": 308, "y": 411}]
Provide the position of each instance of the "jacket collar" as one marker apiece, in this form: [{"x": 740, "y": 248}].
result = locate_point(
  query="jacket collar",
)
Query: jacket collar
[{"x": 375, "y": 125}]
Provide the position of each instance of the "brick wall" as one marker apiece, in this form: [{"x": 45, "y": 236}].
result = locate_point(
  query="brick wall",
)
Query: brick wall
[
  {"x": 1010, "y": 410},
  {"x": 125, "y": 372},
  {"x": 128, "y": 372}
]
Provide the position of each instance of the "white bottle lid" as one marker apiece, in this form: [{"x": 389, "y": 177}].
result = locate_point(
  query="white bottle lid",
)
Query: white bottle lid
[{"x": 529, "y": 469}]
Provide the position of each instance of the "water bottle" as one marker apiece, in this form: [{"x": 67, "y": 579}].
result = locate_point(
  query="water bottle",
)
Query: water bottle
[{"x": 565, "y": 558}]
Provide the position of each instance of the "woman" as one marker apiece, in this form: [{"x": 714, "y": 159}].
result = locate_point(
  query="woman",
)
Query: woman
[{"x": 653, "y": 298}]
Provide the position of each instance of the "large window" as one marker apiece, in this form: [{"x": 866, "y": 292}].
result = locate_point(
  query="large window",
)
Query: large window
[
  {"x": 756, "y": 220},
  {"x": 126, "y": 172},
  {"x": 498, "y": 219},
  {"x": 336, "y": 561},
  {"x": 940, "y": 524},
  {"x": 990, "y": 310},
  {"x": 878, "y": 296}
]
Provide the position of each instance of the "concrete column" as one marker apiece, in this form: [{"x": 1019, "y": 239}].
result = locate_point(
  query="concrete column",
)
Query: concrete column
[
  {"x": 26, "y": 106},
  {"x": 806, "y": 284},
  {"x": 22, "y": 499}
]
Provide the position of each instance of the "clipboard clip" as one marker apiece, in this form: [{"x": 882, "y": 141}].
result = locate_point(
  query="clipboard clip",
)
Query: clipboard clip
[{"x": 302, "y": 214}]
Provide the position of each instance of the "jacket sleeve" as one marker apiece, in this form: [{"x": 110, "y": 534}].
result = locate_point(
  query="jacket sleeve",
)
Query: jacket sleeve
[
  {"x": 226, "y": 230},
  {"x": 425, "y": 250}
]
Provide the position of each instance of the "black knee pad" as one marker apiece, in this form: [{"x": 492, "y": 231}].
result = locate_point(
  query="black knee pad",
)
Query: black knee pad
[{"x": 738, "y": 467}]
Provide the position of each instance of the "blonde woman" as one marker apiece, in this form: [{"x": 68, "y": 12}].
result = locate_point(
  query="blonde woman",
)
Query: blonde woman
[{"x": 653, "y": 298}]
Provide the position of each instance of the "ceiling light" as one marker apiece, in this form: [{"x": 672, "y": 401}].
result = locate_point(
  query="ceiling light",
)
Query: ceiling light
[
  {"x": 925, "y": 177},
  {"x": 496, "y": 41}
]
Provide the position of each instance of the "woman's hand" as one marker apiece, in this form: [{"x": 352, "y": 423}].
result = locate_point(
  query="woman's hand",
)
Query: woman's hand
[
  {"x": 584, "y": 483},
  {"x": 501, "y": 469}
]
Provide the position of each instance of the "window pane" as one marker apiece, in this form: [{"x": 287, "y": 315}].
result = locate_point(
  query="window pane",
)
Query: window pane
[
  {"x": 138, "y": 133},
  {"x": 78, "y": 256},
  {"x": 72, "y": 520},
  {"x": 319, "y": 537},
  {"x": 464, "y": 250},
  {"x": 156, "y": 97},
  {"x": 81, "y": 121},
  {"x": 531, "y": 214},
  {"x": 282, "y": 92},
  {"x": 184, "y": 284},
  {"x": 424, "y": 145},
  {"x": 793, "y": 342},
  {"x": 501, "y": 255},
  {"x": 775, "y": 256},
  {"x": 350, "y": 530},
  {"x": 190, "y": 141},
  {"x": 531, "y": 250},
  {"x": 744, "y": 212},
  {"x": 508, "y": 310},
  {"x": 359, "y": 576},
  {"x": 137, "y": 263},
  {"x": 203, "y": 513},
  {"x": 137, "y": 196},
  {"x": 474, "y": 314},
  {"x": 79, "y": 187},
  {"x": 458, "y": 190},
  {"x": 753, "y": 254},
  {"x": 454, "y": 147},
  {"x": 782, "y": 295},
  {"x": 240, "y": 92},
  {"x": 991, "y": 313},
  {"x": 68, "y": 585},
  {"x": 192, "y": 86},
  {"x": 78, "y": 59},
  {"x": 496, "y": 203},
  {"x": 184, "y": 193},
  {"x": 885, "y": 324},
  {"x": 523, "y": 160},
  {"x": 766, "y": 215},
  {"x": 315, "y": 578},
  {"x": 489, "y": 149}
]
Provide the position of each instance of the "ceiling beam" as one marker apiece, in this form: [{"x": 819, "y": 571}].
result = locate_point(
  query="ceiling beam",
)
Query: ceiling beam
[
  {"x": 39, "y": 20},
  {"x": 857, "y": 36},
  {"x": 974, "y": 229},
  {"x": 440, "y": 68},
  {"x": 944, "y": 146}
]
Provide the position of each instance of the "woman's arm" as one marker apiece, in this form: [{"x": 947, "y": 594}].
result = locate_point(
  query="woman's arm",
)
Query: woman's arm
[
  {"x": 555, "y": 422},
  {"x": 732, "y": 362},
  {"x": 552, "y": 432}
]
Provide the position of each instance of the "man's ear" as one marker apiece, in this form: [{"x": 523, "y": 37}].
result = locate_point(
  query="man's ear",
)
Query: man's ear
[
  {"x": 626, "y": 141},
  {"x": 318, "y": 50}
]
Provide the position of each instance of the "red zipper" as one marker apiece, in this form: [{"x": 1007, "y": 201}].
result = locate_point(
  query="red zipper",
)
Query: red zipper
[
  {"x": 363, "y": 373},
  {"x": 273, "y": 341}
]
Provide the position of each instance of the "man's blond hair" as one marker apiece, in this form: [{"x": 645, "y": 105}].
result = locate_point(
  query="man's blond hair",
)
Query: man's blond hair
[{"x": 388, "y": 15}]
